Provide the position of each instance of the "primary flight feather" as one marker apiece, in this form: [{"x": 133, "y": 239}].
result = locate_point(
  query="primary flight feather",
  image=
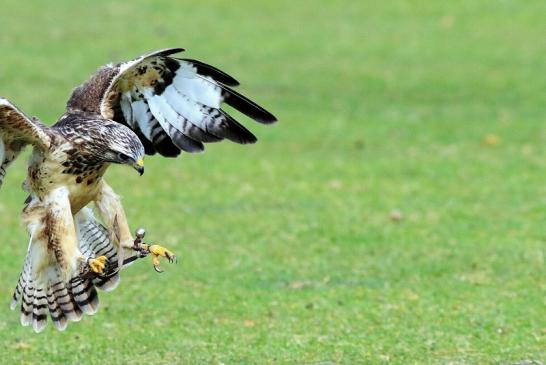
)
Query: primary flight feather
[{"x": 154, "y": 104}]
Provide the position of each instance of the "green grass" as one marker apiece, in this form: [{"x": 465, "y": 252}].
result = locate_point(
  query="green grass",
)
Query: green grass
[{"x": 289, "y": 254}]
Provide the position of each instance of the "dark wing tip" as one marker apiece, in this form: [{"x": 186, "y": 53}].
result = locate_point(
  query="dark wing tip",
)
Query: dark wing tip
[
  {"x": 184, "y": 142},
  {"x": 267, "y": 118},
  {"x": 170, "y": 51},
  {"x": 247, "y": 106},
  {"x": 250, "y": 140},
  {"x": 164, "y": 52},
  {"x": 236, "y": 132},
  {"x": 208, "y": 70},
  {"x": 233, "y": 98}
]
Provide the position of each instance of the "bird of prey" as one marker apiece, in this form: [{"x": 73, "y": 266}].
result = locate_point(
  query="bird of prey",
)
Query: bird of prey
[{"x": 157, "y": 103}]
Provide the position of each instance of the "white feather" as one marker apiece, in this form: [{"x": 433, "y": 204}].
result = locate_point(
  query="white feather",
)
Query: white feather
[
  {"x": 170, "y": 115},
  {"x": 5, "y": 102},
  {"x": 125, "y": 103},
  {"x": 196, "y": 87},
  {"x": 154, "y": 102},
  {"x": 140, "y": 115},
  {"x": 185, "y": 107},
  {"x": 167, "y": 112}
]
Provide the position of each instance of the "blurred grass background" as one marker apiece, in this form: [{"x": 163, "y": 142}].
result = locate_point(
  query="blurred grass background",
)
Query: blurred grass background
[{"x": 395, "y": 214}]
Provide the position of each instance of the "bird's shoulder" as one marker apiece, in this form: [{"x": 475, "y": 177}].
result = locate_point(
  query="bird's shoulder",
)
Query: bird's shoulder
[{"x": 88, "y": 96}]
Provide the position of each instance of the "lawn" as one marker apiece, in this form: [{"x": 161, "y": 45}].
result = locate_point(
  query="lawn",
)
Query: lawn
[{"x": 394, "y": 215}]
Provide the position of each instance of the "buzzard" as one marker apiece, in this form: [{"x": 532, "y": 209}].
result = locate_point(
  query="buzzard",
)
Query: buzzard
[{"x": 155, "y": 104}]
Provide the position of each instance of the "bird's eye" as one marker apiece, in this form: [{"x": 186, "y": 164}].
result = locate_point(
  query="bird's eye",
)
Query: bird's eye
[{"x": 123, "y": 157}]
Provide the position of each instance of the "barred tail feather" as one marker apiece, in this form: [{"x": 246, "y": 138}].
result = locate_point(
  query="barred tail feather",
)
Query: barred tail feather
[
  {"x": 68, "y": 301},
  {"x": 39, "y": 310},
  {"x": 24, "y": 278},
  {"x": 65, "y": 302},
  {"x": 27, "y": 302},
  {"x": 84, "y": 294},
  {"x": 58, "y": 317}
]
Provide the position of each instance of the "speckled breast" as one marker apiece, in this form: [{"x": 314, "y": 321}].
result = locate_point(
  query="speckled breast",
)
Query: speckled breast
[{"x": 49, "y": 172}]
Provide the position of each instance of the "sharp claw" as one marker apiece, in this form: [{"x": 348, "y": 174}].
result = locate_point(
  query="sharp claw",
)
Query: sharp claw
[{"x": 156, "y": 252}]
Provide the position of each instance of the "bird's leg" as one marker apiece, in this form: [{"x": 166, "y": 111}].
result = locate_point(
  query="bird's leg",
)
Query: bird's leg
[
  {"x": 113, "y": 215},
  {"x": 109, "y": 206},
  {"x": 110, "y": 209},
  {"x": 156, "y": 251}
]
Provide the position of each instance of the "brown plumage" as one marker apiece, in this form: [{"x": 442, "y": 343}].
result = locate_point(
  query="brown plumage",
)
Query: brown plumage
[{"x": 153, "y": 104}]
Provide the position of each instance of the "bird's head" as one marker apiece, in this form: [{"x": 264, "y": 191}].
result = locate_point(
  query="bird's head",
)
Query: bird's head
[{"x": 124, "y": 147}]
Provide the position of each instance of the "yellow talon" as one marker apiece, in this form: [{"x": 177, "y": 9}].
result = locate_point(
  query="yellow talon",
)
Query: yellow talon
[
  {"x": 97, "y": 265},
  {"x": 160, "y": 251}
]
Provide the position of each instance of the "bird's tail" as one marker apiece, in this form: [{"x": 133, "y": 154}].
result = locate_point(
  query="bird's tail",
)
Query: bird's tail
[
  {"x": 68, "y": 301},
  {"x": 49, "y": 292}
]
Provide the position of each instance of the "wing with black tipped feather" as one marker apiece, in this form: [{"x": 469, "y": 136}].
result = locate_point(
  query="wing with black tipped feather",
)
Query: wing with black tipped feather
[{"x": 172, "y": 104}]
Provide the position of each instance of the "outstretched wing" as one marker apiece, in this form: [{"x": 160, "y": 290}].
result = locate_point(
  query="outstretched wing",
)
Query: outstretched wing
[
  {"x": 16, "y": 131},
  {"x": 172, "y": 104}
]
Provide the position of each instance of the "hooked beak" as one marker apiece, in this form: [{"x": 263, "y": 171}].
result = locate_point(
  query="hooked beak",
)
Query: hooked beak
[{"x": 139, "y": 166}]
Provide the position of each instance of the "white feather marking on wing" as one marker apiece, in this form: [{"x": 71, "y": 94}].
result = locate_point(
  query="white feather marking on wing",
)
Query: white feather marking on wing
[
  {"x": 185, "y": 107},
  {"x": 196, "y": 87},
  {"x": 170, "y": 115},
  {"x": 125, "y": 103},
  {"x": 140, "y": 115},
  {"x": 155, "y": 108}
]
